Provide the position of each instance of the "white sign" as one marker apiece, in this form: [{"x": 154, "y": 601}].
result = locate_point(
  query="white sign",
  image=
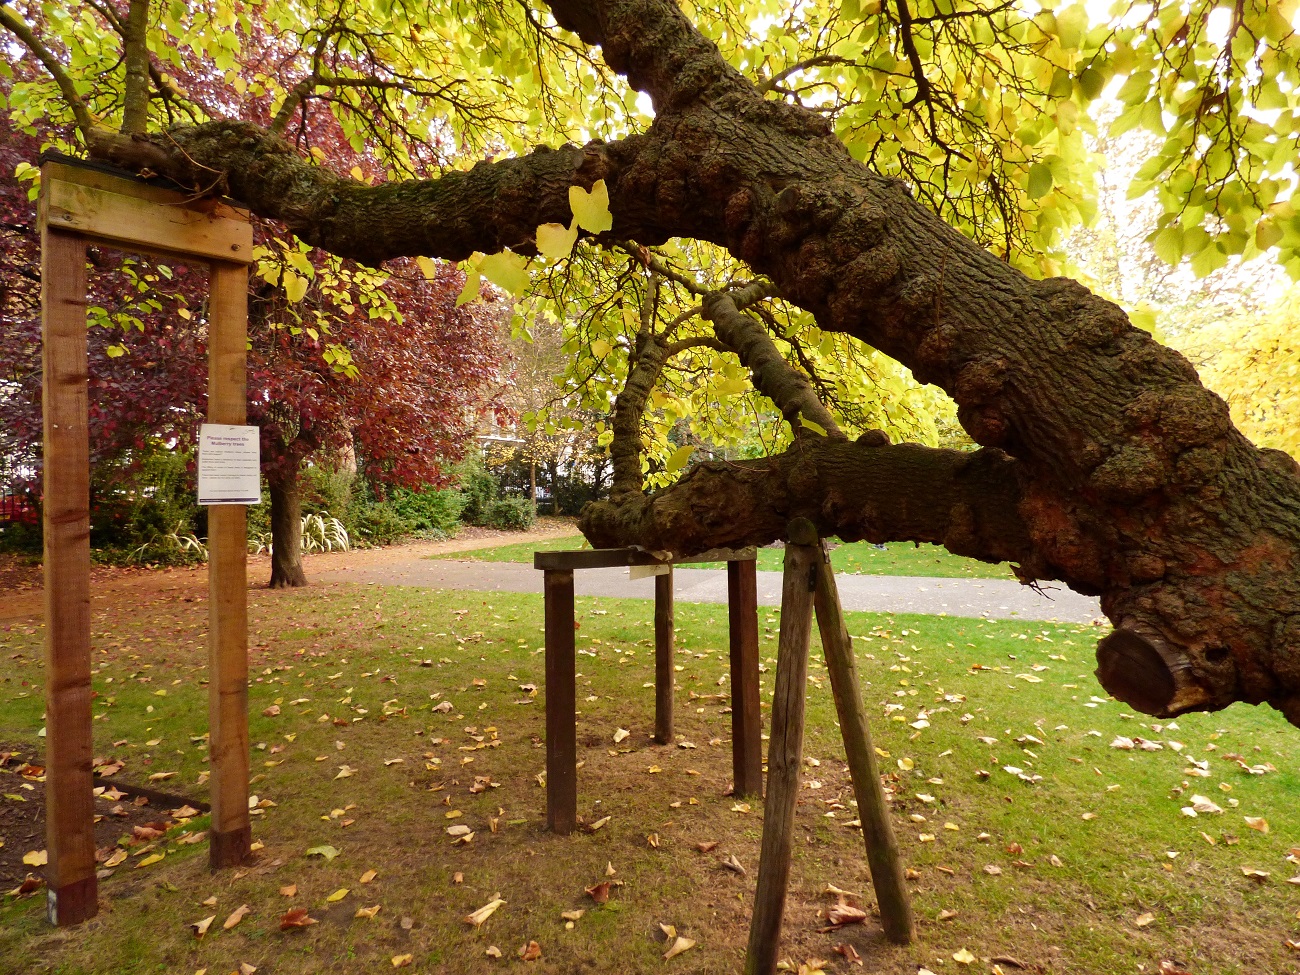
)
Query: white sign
[{"x": 230, "y": 464}]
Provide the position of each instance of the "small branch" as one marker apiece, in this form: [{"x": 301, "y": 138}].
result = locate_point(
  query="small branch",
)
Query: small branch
[
  {"x": 822, "y": 60},
  {"x": 19, "y": 28}
]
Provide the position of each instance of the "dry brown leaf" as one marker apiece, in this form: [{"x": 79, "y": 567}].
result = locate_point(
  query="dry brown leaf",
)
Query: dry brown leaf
[
  {"x": 493, "y": 951},
  {"x": 844, "y": 913},
  {"x": 296, "y": 918},
  {"x": 531, "y": 951},
  {"x": 210, "y": 902},
  {"x": 367, "y": 912},
  {"x": 484, "y": 912},
  {"x": 849, "y": 953},
  {"x": 236, "y": 916},
  {"x": 289, "y": 890},
  {"x": 1257, "y": 822},
  {"x": 706, "y": 847},
  {"x": 572, "y": 915},
  {"x": 401, "y": 961},
  {"x": 599, "y": 892},
  {"x": 993, "y": 871},
  {"x": 1144, "y": 919}
]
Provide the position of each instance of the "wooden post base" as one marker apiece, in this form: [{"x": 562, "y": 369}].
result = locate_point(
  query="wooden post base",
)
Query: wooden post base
[
  {"x": 229, "y": 849},
  {"x": 72, "y": 903}
]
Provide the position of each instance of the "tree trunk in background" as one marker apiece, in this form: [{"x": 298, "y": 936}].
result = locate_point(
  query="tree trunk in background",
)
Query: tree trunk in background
[
  {"x": 286, "y": 533},
  {"x": 532, "y": 486}
]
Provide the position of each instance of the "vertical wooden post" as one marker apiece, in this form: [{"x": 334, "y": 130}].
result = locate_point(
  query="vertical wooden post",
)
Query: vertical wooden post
[
  {"x": 746, "y": 713},
  {"x": 785, "y": 749},
  {"x": 877, "y": 833},
  {"x": 69, "y": 805},
  {"x": 231, "y": 833},
  {"x": 561, "y": 706},
  {"x": 664, "y": 673}
]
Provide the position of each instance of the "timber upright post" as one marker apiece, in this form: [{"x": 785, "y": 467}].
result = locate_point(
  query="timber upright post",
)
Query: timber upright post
[
  {"x": 72, "y": 889},
  {"x": 664, "y": 673},
  {"x": 231, "y": 836},
  {"x": 561, "y": 704},
  {"x": 87, "y": 204},
  {"x": 785, "y": 749},
  {"x": 746, "y": 713},
  {"x": 873, "y": 812}
]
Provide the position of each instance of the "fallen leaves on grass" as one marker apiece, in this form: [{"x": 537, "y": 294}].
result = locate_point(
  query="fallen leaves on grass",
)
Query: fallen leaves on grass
[
  {"x": 401, "y": 961},
  {"x": 36, "y": 858},
  {"x": 345, "y": 771},
  {"x": 963, "y": 956},
  {"x": 706, "y": 847},
  {"x": 367, "y": 912},
  {"x": 368, "y": 876},
  {"x": 236, "y": 916},
  {"x": 289, "y": 890},
  {"x": 337, "y": 896},
  {"x": 296, "y": 918},
  {"x": 328, "y": 852},
  {"x": 731, "y": 863},
  {"x": 483, "y": 913},
  {"x": 1257, "y": 823},
  {"x": 531, "y": 951},
  {"x": 1143, "y": 920},
  {"x": 849, "y": 953}
]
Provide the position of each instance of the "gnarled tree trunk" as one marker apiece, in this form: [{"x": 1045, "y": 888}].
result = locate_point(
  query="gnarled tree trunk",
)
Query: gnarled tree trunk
[
  {"x": 1107, "y": 464},
  {"x": 286, "y": 532}
]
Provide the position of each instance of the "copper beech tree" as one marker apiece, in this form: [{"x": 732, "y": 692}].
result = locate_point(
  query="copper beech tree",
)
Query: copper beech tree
[{"x": 1104, "y": 462}]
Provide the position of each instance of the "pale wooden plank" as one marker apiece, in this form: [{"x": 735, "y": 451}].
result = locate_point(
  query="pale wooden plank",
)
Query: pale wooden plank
[
  {"x": 231, "y": 832},
  {"x": 178, "y": 227},
  {"x": 69, "y": 804}
]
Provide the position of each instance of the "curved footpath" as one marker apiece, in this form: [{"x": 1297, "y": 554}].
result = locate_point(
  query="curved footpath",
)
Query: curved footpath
[{"x": 986, "y": 598}]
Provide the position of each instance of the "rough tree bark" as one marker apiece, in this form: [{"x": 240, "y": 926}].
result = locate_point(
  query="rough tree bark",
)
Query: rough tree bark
[
  {"x": 1122, "y": 475},
  {"x": 286, "y": 532}
]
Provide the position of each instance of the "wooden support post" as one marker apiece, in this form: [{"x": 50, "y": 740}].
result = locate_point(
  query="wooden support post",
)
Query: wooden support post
[
  {"x": 785, "y": 749},
  {"x": 746, "y": 714},
  {"x": 561, "y": 706},
  {"x": 231, "y": 834},
  {"x": 664, "y": 673},
  {"x": 69, "y": 805},
  {"x": 877, "y": 833}
]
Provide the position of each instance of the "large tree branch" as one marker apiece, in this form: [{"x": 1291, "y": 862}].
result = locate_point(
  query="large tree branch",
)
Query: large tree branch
[
  {"x": 135, "y": 54},
  {"x": 490, "y": 207}
]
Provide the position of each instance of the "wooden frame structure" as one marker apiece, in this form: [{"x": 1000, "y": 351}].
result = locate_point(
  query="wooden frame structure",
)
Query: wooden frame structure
[
  {"x": 82, "y": 205},
  {"x": 561, "y": 667}
]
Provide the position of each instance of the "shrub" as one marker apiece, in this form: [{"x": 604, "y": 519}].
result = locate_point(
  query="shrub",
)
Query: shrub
[
  {"x": 513, "y": 514},
  {"x": 429, "y": 511},
  {"x": 479, "y": 489},
  {"x": 379, "y": 524}
]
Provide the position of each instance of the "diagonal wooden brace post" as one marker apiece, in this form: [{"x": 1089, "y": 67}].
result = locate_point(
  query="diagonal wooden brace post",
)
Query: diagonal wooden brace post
[
  {"x": 785, "y": 747},
  {"x": 873, "y": 812}
]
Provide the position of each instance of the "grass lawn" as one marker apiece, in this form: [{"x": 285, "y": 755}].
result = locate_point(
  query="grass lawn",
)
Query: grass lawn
[
  {"x": 1091, "y": 868},
  {"x": 856, "y": 558}
]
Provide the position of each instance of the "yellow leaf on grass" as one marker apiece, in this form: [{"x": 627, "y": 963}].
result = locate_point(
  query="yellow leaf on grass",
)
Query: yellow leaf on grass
[
  {"x": 963, "y": 957},
  {"x": 150, "y": 860},
  {"x": 678, "y": 946},
  {"x": 368, "y": 876},
  {"x": 1143, "y": 920},
  {"x": 236, "y": 916},
  {"x": 484, "y": 912},
  {"x": 401, "y": 961},
  {"x": 119, "y": 856},
  {"x": 337, "y": 896},
  {"x": 290, "y": 890},
  {"x": 201, "y": 927},
  {"x": 367, "y": 911},
  {"x": 1257, "y": 822}
]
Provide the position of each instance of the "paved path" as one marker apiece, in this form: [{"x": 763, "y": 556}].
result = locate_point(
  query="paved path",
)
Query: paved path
[{"x": 989, "y": 598}]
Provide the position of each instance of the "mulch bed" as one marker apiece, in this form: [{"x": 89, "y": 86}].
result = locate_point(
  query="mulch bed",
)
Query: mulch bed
[{"x": 126, "y": 817}]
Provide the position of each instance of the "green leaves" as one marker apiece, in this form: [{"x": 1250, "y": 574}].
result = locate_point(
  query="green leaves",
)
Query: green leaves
[
  {"x": 1039, "y": 181},
  {"x": 678, "y": 458},
  {"x": 507, "y": 271}
]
